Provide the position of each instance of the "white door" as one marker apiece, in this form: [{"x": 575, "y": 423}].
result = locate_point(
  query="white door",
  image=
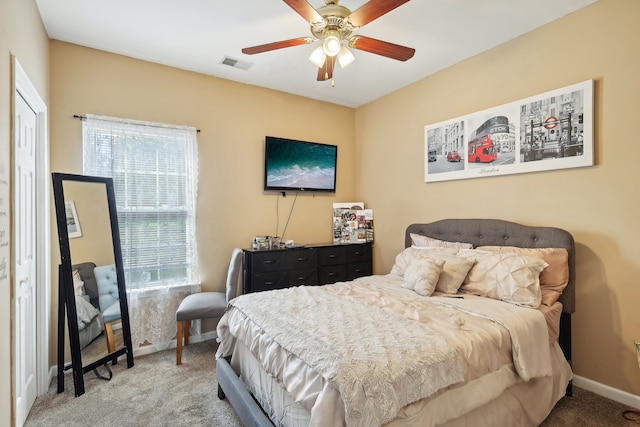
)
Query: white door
[{"x": 24, "y": 232}]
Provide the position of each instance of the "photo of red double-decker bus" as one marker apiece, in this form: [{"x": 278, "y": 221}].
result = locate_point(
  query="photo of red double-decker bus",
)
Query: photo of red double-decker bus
[{"x": 482, "y": 149}]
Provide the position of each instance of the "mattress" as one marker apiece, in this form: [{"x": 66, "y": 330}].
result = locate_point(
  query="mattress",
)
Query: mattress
[{"x": 496, "y": 384}]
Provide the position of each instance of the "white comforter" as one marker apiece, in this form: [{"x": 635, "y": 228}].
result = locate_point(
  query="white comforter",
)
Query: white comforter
[
  {"x": 482, "y": 332},
  {"x": 378, "y": 366}
]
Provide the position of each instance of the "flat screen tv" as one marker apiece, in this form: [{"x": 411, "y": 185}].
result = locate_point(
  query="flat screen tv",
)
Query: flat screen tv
[{"x": 291, "y": 165}]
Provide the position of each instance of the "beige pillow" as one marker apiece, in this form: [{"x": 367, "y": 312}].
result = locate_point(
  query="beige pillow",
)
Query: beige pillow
[
  {"x": 413, "y": 253},
  {"x": 554, "y": 278},
  {"x": 506, "y": 276},
  {"x": 422, "y": 276},
  {"x": 420, "y": 240},
  {"x": 454, "y": 272}
]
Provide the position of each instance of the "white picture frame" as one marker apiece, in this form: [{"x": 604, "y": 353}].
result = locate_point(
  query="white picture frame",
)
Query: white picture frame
[
  {"x": 551, "y": 130},
  {"x": 73, "y": 223}
]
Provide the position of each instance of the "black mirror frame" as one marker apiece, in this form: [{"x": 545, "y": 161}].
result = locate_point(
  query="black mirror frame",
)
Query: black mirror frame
[{"x": 65, "y": 286}]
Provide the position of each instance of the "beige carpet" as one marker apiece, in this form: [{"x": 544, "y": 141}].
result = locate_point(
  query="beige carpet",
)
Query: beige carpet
[{"x": 156, "y": 392}]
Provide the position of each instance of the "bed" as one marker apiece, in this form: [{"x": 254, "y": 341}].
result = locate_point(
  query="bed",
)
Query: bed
[{"x": 417, "y": 356}]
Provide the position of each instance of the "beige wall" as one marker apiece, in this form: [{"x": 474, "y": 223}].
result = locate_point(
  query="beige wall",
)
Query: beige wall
[
  {"x": 599, "y": 205},
  {"x": 233, "y": 118},
  {"x": 21, "y": 35}
]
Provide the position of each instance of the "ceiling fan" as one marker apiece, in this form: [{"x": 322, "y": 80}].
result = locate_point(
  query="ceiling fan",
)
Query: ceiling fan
[{"x": 332, "y": 24}]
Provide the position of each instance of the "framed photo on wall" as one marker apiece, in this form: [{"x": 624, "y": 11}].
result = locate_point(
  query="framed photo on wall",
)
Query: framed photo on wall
[
  {"x": 73, "y": 224},
  {"x": 552, "y": 130}
]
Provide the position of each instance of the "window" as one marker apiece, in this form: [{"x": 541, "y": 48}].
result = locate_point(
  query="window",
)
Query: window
[{"x": 154, "y": 170}]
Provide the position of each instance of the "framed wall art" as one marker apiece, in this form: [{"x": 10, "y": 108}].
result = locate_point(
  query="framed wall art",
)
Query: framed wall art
[
  {"x": 73, "y": 223},
  {"x": 552, "y": 130}
]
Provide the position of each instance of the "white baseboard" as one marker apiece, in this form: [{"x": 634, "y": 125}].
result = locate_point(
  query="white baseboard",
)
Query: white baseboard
[
  {"x": 141, "y": 351},
  {"x": 606, "y": 391}
]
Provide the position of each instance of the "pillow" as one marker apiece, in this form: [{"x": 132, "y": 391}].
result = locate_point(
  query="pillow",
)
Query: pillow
[
  {"x": 422, "y": 276},
  {"x": 454, "y": 272},
  {"x": 554, "y": 278},
  {"x": 413, "y": 253},
  {"x": 78, "y": 284},
  {"x": 506, "y": 276},
  {"x": 420, "y": 240}
]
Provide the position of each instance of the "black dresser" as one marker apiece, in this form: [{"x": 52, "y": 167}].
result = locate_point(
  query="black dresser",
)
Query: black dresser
[{"x": 310, "y": 265}]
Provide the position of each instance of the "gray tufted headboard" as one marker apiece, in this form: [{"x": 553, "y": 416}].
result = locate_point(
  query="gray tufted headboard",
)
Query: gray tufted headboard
[{"x": 496, "y": 232}]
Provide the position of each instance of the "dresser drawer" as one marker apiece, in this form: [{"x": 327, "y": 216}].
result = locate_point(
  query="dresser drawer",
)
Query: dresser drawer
[
  {"x": 307, "y": 276},
  {"x": 359, "y": 269},
  {"x": 301, "y": 258},
  {"x": 357, "y": 253},
  {"x": 332, "y": 255},
  {"x": 333, "y": 274},
  {"x": 268, "y": 281},
  {"x": 268, "y": 261}
]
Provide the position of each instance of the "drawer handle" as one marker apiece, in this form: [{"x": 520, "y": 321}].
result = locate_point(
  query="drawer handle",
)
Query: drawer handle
[
  {"x": 268, "y": 261},
  {"x": 268, "y": 283},
  {"x": 301, "y": 259},
  {"x": 358, "y": 253},
  {"x": 333, "y": 256},
  {"x": 332, "y": 274}
]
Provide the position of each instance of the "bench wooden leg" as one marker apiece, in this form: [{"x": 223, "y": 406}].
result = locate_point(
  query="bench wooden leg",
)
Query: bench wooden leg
[
  {"x": 182, "y": 334},
  {"x": 111, "y": 344}
]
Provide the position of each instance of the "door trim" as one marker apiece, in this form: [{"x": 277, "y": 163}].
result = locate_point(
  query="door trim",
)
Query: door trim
[{"x": 23, "y": 86}]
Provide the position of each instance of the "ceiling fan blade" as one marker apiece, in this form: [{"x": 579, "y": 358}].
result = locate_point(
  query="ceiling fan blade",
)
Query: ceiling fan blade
[
  {"x": 379, "y": 47},
  {"x": 371, "y": 10},
  {"x": 305, "y": 10},
  {"x": 326, "y": 71},
  {"x": 277, "y": 45}
]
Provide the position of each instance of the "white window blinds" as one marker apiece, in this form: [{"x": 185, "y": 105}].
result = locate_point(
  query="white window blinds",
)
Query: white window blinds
[{"x": 154, "y": 170}]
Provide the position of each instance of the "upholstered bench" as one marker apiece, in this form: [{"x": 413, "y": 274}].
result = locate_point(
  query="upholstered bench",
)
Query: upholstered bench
[{"x": 207, "y": 305}]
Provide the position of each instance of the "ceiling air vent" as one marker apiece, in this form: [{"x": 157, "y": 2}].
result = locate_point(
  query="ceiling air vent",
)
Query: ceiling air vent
[{"x": 235, "y": 63}]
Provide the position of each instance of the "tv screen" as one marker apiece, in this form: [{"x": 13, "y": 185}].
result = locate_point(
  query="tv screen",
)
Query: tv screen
[{"x": 291, "y": 165}]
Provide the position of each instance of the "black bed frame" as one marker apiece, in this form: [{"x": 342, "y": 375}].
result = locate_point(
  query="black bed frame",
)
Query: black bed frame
[{"x": 479, "y": 232}]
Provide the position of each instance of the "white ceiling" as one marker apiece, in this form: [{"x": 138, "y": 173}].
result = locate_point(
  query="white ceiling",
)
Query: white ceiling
[{"x": 196, "y": 35}]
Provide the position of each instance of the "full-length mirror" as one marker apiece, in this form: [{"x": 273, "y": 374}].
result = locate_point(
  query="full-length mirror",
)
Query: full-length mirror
[{"x": 92, "y": 288}]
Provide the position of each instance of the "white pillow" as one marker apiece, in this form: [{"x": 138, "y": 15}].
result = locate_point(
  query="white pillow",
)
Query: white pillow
[
  {"x": 413, "y": 253},
  {"x": 420, "y": 240},
  {"x": 78, "y": 284},
  {"x": 505, "y": 276},
  {"x": 554, "y": 278},
  {"x": 422, "y": 276}
]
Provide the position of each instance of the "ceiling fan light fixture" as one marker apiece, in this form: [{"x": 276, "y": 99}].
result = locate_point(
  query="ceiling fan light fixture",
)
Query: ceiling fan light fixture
[
  {"x": 345, "y": 57},
  {"x": 331, "y": 45},
  {"x": 318, "y": 57}
]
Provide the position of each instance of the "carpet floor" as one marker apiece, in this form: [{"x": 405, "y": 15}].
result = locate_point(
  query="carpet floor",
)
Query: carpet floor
[{"x": 156, "y": 392}]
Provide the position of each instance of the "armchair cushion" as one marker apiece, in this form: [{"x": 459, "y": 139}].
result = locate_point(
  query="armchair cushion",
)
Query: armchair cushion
[{"x": 107, "y": 280}]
